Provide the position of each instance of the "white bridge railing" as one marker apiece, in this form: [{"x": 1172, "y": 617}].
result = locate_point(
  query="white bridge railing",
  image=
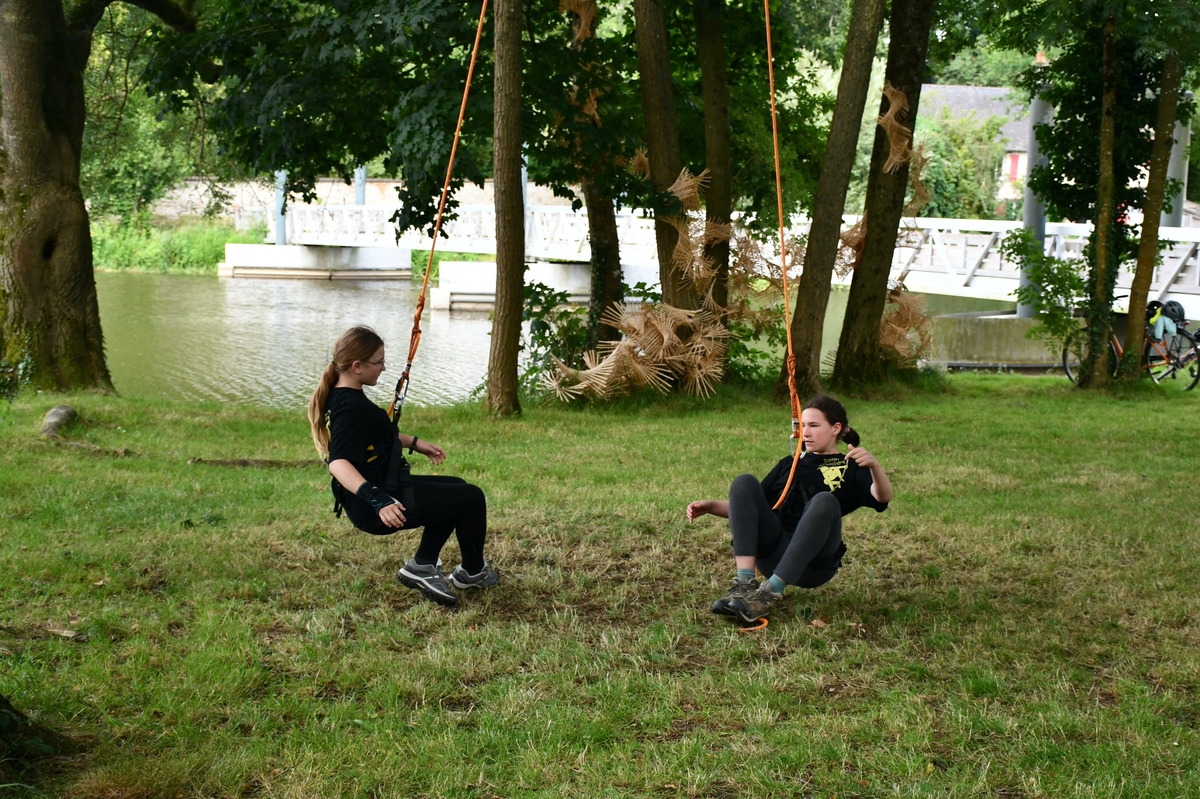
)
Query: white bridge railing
[{"x": 944, "y": 256}]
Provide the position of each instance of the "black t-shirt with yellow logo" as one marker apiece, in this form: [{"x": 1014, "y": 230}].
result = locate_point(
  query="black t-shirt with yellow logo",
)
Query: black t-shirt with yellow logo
[{"x": 848, "y": 481}]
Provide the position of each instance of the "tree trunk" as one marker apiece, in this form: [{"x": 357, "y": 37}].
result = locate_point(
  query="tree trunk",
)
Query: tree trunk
[
  {"x": 1094, "y": 373},
  {"x": 49, "y": 315},
  {"x": 22, "y": 739},
  {"x": 662, "y": 138},
  {"x": 502, "y": 394},
  {"x": 714, "y": 89},
  {"x": 859, "y": 358},
  {"x": 606, "y": 261},
  {"x": 808, "y": 320},
  {"x": 1156, "y": 190}
]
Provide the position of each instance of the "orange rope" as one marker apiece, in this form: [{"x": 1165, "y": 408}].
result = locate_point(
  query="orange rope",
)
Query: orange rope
[
  {"x": 783, "y": 262},
  {"x": 415, "y": 341}
]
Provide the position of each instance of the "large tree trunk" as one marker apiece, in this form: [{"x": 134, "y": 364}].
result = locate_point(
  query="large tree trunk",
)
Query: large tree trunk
[
  {"x": 22, "y": 739},
  {"x": 49, "y": 316},
  {"x": 808, "y": 321},
  {"x": 1156, "y": 190},
  {"x": 714, "y": 89},
  {"x": 662, "y": 137},
  {"x": 1094, "y": 373},
  {"x": 859, "y": 358},
  {"x": 606, "y": 261},
  {"x": 502, "y": 395}
]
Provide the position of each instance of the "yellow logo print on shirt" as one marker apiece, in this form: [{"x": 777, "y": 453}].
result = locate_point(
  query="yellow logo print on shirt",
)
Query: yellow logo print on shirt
[{"x": 834, "y": 475}]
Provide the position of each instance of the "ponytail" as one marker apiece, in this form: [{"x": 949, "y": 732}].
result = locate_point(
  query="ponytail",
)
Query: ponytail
[
  {"x": 356, "y": 344},
  {"x": 316, "y": 409}
]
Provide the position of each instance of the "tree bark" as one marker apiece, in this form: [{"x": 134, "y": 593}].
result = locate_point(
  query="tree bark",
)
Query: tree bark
[
  {"x": 21, "y": 738},
  {"x": 1094, "y": 373},
  {"x": 808, "y": 320},
  {"x": 1156, "y": 190},
  {"x": 714, "y": 90},
  {"x": 662, "y": 138},
  {"x": 606, "y": 261},
  {"x": 859, "y": 359},
  {"x": 49, "y": 315},
  {"x": 502, "y": 394}
]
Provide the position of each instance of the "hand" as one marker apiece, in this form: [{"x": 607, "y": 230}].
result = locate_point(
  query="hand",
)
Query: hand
[
  {"x": 392, "y": 515},
  {"x": 862, "y": 457},
  {"x": 698, "y": 508},
  {"x": 430, "y": 450}
]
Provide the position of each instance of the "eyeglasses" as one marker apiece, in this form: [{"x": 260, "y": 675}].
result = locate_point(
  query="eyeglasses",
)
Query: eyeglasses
[{"x": 376, "y": 363}]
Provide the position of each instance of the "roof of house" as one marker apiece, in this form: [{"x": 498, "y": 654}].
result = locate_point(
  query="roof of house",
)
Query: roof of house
[{"x": 983, "y": 102}]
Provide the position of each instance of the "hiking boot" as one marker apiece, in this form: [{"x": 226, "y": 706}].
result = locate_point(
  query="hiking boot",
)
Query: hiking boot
[
  {"x": 756, "y": 606},
  {"x": 486, "y": 578},
  {"x": 741, "y": 588},
  {"x": 429, "y": 581}
]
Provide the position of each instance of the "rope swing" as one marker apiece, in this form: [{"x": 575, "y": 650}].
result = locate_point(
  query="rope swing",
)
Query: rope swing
[
  {"x": 415, "y": 341},
  {"x": 783, "y": 254}
]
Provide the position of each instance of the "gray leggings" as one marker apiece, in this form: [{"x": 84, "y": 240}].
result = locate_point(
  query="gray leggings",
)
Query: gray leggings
[{"x": 808, "y": 556}]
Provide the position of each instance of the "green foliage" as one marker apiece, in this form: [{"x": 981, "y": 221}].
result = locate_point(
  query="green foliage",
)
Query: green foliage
[
  {"x": 755, "y": 347},
  {"x": 983, "y": 64},
  {"x": 190, "y": 248},
  {"x": 961, "y": 175},
  {"x": 1055, "y": 290},
  {"x": 133, "y": 150},
  {"x": 319, "y": 88},
  {"x": 554, "y": 328}
]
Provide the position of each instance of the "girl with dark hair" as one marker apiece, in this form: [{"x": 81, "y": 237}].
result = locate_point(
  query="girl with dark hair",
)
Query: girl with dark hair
[
  {"x": 371, "y": 479},
  {"x": 801, "y": 542}
]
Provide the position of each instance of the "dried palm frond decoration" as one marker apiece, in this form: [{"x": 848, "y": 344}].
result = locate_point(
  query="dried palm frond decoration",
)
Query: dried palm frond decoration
[
  {"x": 899, "y": 136},
  {"x": 850, "y": 247},
  {"x": 639, "y": 165},
  {"x": 663, "y": 346},
  {"x": 920, "y": 195},
  {"x": 906, "y": 331},
  {"x": 586, "y": 11},
  {"x": 688, "y": 188}
]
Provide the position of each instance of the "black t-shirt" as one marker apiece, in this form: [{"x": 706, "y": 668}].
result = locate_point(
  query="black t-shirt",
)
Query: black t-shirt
[
  {"x": 848, "y": 481},
  {"x": 360, "y": 432}
]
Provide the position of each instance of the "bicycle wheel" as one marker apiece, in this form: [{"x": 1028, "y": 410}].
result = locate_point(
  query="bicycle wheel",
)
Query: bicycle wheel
[
  {"x": 1075, "y": 350},
  {"x": 1174, "y": 361}
]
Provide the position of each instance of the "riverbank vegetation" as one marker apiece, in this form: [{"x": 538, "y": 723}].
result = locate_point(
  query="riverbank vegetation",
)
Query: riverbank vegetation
[
  {"x": 184, "y": 247},
  {"x": 1022, "y": 622}
]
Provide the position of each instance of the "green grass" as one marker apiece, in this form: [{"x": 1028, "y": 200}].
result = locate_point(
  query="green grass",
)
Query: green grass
[{"x": 1021, "y": 623}]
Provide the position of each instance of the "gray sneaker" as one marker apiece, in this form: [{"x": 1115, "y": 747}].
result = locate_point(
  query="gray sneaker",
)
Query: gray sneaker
[
  {"x": 740, "y": 588},
  {"x": 486, "y": 578},
  {"x": 756, "y": 606},
  {"x": 429, "y": 581}
]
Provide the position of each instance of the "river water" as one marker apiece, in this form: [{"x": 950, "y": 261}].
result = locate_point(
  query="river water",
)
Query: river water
[{"x": 265, "y": 342}]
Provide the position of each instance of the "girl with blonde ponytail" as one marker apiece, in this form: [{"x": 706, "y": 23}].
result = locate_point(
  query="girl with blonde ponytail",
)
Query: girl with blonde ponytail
[{"x": 371, "y": 479}]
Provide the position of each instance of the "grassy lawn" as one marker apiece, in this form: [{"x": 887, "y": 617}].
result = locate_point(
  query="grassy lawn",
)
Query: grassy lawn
[{"x": 1023, "y": 622}]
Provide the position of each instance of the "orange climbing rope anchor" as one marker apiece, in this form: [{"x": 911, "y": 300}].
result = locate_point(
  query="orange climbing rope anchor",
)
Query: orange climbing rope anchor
[
  {"x": 783, "y": 254},
  {"x": 415, "y": 341}
]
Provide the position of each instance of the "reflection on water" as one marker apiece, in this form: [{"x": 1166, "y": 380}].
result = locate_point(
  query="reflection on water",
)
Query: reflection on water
[{"x": 265, "y": 342}]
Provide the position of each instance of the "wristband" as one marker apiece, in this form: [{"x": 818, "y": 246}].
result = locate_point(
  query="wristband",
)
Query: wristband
[
  {"x": 413, "y": 445},
  {"x": 374, "y": 496}
]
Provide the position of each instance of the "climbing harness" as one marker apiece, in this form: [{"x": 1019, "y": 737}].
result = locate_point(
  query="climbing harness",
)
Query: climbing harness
[
  {"x": 401, "y": 392},
  {"x": 783, "y": 262}
]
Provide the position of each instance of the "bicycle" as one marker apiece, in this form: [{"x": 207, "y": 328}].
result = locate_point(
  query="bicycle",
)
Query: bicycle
[{"x": 1173, "y": 360}]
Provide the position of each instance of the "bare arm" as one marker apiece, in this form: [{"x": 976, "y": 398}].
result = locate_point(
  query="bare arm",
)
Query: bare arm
[{"x": 881, "y": 486}]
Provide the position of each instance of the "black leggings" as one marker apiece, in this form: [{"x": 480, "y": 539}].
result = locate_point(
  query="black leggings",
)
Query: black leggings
[
  {"x": 444, "y": 505},
  {"x": 808, "y": 556}
]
